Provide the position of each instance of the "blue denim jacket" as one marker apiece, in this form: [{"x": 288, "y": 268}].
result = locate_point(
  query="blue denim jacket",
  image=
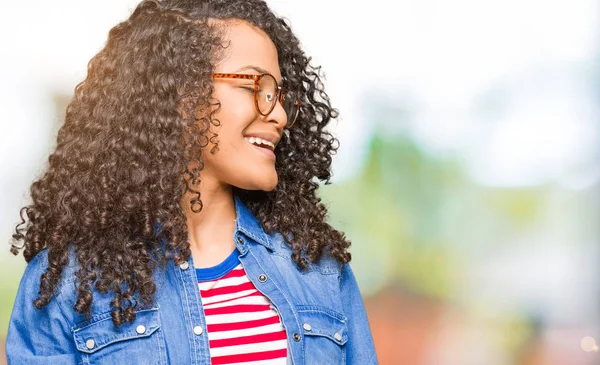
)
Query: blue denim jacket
[{"x": 173, "y": 331}]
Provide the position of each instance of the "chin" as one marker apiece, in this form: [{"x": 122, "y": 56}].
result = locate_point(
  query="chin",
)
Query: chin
[
  {"x": 263, "y": 184},
  {"x": 266, "y": 181},
  {"x": 269, "y": 186}
]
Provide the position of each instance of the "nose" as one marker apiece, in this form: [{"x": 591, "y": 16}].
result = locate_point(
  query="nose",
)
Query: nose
[{"x": 278, "y": 115}]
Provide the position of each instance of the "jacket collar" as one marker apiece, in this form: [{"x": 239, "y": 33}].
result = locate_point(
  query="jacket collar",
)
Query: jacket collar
[{"x": 247, "y": 224}]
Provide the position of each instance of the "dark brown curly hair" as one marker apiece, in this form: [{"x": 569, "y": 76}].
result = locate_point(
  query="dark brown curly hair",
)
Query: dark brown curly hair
[{"x": 132, "y": 131}]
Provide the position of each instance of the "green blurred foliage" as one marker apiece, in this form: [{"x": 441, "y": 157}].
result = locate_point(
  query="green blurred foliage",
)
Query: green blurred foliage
[
  {"x": 391, "y": 212},
  {"x": 419, "y": 216}
]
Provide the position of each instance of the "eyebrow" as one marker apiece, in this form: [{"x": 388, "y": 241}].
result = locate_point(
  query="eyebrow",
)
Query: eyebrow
[{"x": 257, "y": 69}]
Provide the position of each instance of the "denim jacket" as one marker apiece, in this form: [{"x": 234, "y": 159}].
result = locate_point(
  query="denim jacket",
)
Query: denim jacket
[{"x": 321, "y": 310}]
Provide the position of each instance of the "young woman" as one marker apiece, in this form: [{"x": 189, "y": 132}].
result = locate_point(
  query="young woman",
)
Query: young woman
[{"x": 178, "y": 221}]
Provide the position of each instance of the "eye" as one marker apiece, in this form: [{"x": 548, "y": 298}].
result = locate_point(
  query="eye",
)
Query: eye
[{"x": 248, "y": 88}]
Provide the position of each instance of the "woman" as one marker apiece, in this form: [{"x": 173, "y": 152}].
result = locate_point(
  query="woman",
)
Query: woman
[{"x": 178, "y": 221}]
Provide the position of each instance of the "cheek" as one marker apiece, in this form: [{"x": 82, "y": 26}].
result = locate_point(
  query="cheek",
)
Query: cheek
[
  {"x": 237, "y": 107},
  {"x": 234, "y": 117},
  {"x": 233, "y": 148}
]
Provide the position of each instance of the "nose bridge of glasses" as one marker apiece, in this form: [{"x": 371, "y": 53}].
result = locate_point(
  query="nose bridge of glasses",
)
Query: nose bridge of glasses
[
  {"x": 278, "y": 106},
  {"x": 289, "y": 108}
]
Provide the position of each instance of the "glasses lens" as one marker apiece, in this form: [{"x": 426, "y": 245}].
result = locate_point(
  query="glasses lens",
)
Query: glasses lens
[{"x": 267, "y": 94}]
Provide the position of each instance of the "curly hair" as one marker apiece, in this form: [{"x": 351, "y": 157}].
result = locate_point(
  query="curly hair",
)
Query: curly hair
[{"x": 132, "y": 130}]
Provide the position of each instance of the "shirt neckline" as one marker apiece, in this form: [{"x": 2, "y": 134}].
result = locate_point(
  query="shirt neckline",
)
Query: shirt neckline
[{"x": 220, "y": 270}]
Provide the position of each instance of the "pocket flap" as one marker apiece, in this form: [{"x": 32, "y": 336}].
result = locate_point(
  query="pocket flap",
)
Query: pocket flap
[
  {"x": 100, "y": 331},
  {"x": 320, "y": 321}
]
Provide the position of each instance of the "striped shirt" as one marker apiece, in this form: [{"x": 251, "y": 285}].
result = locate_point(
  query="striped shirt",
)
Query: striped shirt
[{"x": 243, "y": 328}]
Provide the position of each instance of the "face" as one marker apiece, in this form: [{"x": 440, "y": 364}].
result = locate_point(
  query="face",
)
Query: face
[{"x": 239, "y": 162}]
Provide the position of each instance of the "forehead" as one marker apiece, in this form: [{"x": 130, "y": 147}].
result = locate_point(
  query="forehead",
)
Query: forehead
[{"x": 248, "y": 45}]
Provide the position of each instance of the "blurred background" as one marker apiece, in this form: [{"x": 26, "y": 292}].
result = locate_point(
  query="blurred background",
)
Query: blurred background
[{"x": 468, "y": 173}]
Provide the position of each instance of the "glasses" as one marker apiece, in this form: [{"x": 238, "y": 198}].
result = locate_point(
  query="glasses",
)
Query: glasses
[{"x": 266, "y": 95}]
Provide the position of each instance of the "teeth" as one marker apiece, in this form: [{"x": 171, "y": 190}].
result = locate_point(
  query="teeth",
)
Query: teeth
[{"x": 259, "y": 141}]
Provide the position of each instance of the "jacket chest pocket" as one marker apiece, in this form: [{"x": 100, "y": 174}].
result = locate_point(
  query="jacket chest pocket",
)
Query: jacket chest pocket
[
  {"x": 325, "y": 334},
  {"x": 138, "y": 342}
]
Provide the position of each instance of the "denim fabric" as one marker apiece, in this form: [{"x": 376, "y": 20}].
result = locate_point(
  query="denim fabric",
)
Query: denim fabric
[{"x": 321, "y": 310}]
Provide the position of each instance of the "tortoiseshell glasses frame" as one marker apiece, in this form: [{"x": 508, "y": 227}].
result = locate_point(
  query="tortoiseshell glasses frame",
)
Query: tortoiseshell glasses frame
[{"x": 266, "y": 95}]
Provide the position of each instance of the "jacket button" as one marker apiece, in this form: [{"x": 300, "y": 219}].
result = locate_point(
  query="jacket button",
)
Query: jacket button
[
  {"x": 140, "y": 329},
  {"x": 296, "y": 337},
  {"x": 90, "y": 344},
  {"x": 262, "y": 278},
  {"x": 184, "y": 266},
  {"x": 337, "y": 336},
  {"x": 240, "y": 240},
  {"x": 198, "y": 330},
  {"x": 307, "y": 327}
]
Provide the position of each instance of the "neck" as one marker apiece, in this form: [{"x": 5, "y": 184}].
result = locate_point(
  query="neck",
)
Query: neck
[{"x": 211, "y": 230}]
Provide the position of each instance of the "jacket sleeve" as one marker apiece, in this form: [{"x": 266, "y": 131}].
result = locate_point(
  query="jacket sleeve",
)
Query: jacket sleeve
[
  {"x": 360, "y": 349},
  {"x": 38, "y": 336}
]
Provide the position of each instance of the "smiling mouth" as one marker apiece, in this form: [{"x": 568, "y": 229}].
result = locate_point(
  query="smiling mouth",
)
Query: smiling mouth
[
  {"x": 259, "y": 142},
  {"x": 263, "y": 149}
]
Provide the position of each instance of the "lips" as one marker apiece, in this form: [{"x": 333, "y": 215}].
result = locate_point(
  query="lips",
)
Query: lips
[
  {"x": 266, "y": 151},
  {"x": 260, "y": 142}
]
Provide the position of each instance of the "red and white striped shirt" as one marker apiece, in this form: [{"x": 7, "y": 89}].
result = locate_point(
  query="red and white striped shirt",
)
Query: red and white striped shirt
[{"x": 243, "y": 328}]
